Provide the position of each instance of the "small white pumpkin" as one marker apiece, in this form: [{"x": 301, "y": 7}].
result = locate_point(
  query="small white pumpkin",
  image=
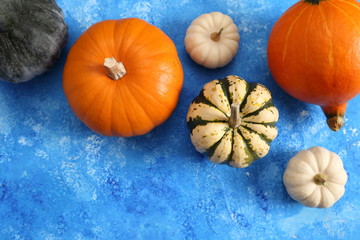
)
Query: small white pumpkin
[
  {"x": 315, "y": 177},
  {"x": 233, "y": 121},
  {"x": 212, "y": 40}
]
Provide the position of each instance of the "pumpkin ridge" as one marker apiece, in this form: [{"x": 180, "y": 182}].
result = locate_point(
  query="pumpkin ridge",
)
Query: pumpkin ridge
[
  {"x": 125, "y": 114},
  {"x": 112, "y": 113},
  {"x": 333, "y": 161},
  {"x": 290, "y": 31},
  {"x": 101, "y": 93},
  {"x": 225, "y": 84},
  {"x": 331, "y": 51},
  {"x": 267, "y": 104},
  {"x": 222, "y": 19},
  {"x": 251, "y": 87},
  {"x": 135, "y": 52},
  {"x": 205, "y": 57},
  {"x": 123, "y": 51},
  {"x": 212, "y": 17},
  {"x": 85, "y": 50},
  {"x": 98, "y": 51},
  {"x": 210, "y": 151},
  {"x": 262, "y": 136},
  {"x": 248, "y": 148},
  {"x": 326, "y": 193},
  {"x": 236, "y": 91},
  {"x": 345, "y": 13},
  {"x": 347, "y": 2},
  {"x": 229, "y": 159},
  {"x": 202, "y": 99},
  {"x": 108, "y": 47},
  {"x": 264, "y": 140},
  {"x": 198, "y": 121},
  {"x": 228, "y": 48},
  {"x": 306, "y": 33},
  {"x": 141, "y": 107},
  {"x": 115, "y": 43},
  {"x": 316, "y": 167},
  {"x": 305, "y": 198},
  {"x": 219, "y": 53},
  {"x": 271, "y": 124},
  {"x": 138, "y": 88},
  {"x": 120, "y": 31},
  {"x": 193, "y": 28}
]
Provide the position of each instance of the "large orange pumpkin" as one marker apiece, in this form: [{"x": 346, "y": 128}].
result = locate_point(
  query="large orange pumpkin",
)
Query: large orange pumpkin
[
  {"x": 123, "y": 77},
  {"x": 314, "y": 54}
]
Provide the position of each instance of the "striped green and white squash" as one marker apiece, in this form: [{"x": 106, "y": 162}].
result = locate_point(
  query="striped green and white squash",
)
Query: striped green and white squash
[{"x": 233, "y": 121}]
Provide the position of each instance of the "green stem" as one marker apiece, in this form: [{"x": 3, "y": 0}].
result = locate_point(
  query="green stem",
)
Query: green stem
[
  {"x": 313, "y": 2},
  {"x": 320, "y": 179}
]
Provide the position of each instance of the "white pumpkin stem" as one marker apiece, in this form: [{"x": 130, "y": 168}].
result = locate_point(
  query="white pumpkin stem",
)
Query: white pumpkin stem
[
  {"x": 320, "y": 179},
  {"x": 235, "y": 119},
  {"x": 216, "y": 35},
  {"x": 114, "y": 69}
]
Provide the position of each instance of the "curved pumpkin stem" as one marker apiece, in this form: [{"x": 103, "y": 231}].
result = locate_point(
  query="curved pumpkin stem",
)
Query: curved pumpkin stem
[
  {"x": 320, "y": 180},
  {"x": 216, "y": 35},
  {"x": 114, "y": 69},
  {"x": 335, "y": 116}
]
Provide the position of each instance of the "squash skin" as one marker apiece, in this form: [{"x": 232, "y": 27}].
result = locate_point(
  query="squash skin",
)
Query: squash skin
[
  {"x": 212, "y": 131},
  {"x": 201, "y": 46},
  {"x": 314, "y": 54},
  {"x": 301, "y": 177},
  {"x": 142, "y": 99},
  {"x": 32, "y": 36}
]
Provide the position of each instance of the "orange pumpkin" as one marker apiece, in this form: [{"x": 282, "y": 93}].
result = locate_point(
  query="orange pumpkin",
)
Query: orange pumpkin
[
  {"x": 314, "y": 54},
  {"x": 123, "y": 77}
]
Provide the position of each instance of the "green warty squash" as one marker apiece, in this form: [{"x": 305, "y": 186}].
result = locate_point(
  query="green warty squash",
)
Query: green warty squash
[
  {"x": 233, "y": 121},
  {"x": 32, "y": 35}
]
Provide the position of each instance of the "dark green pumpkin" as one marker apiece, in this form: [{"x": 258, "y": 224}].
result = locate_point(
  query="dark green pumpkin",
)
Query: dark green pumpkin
[{"x": 32, "y": 35}]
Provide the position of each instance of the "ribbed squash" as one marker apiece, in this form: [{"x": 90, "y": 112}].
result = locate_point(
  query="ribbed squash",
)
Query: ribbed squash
[
  {"x": 32, "y": 36},
  {"x": 233, "y": 121},
  {"x": 314, "y": 54},
  {"x": 123, "y": 77}
]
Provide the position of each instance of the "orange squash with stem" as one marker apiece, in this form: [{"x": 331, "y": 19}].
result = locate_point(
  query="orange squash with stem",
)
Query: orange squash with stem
[
  {"x": 314, "y": 54},
  {"x": 123, "y": 77}
]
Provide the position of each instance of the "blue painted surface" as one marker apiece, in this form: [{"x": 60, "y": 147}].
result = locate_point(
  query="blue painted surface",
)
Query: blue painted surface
[{"x": 60, "y": 180}]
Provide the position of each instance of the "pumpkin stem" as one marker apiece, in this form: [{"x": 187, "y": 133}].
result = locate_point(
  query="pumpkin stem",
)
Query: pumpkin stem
[
  {"x": 114, "y": 69},
  {"x": 335, "y": 116},
  {"x": 235, "y": 119},
  {"x": 320, "y": 179},
  {"x": 335, "y": 123},
  {"x": 215, "y": 36},
  {"x": 313, "y": 2}
]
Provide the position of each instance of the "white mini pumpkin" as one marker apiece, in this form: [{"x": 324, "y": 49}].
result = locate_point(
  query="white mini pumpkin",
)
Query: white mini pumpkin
[
  {"x": 315, "y": 177},
  {"x": 212, "y": 40}
]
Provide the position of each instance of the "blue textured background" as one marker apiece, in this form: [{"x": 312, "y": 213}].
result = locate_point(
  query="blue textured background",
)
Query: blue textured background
[{"x": 59, "y": 180}]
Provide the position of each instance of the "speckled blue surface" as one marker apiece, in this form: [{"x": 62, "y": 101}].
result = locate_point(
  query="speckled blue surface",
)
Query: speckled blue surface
[{"x": 60, "y": 180}]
